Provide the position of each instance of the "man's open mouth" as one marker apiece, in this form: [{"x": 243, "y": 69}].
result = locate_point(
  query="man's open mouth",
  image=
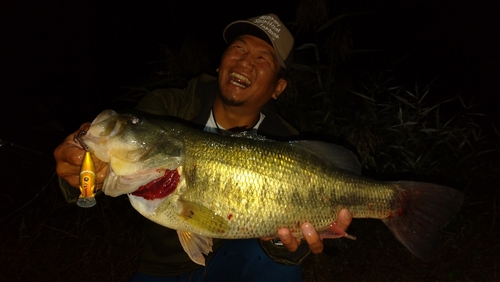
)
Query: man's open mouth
[{"x": 239, "y": 80}]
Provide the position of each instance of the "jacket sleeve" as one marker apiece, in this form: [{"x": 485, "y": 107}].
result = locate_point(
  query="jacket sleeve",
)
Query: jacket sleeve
[
  {"x": 181, "y": 103},
  {"x": 280, "y": 254},
  {"x": 69, "y": 192}
]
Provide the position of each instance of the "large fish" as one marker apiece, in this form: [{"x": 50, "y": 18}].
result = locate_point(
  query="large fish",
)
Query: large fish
[{"x": 207, "y": 186}]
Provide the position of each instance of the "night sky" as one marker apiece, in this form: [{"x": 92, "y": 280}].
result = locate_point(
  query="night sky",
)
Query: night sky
[{"x": 65, "y": 61}]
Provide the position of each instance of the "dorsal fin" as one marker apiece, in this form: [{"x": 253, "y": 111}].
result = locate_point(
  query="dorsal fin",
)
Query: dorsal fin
[{"x": 336, "y": 155}]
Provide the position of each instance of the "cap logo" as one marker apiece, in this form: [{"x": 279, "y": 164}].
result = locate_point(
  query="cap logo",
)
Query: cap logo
[{"x": 270, "y": 25}]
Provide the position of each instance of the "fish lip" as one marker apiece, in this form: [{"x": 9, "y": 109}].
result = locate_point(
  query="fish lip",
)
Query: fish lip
[
  {"x": 243, "y": 80},
  {"x": 104, "y": 115},
  {"x": 97, "y": 130}
]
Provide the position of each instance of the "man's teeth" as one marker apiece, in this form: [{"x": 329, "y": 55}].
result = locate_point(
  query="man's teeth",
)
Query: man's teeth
[{"x": 240, "y": 80}]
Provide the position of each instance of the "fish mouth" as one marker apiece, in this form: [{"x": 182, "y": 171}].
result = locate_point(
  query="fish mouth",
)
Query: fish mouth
[
  {"x": 239, "y": 80},
  {"x": 104, "y": 125}
]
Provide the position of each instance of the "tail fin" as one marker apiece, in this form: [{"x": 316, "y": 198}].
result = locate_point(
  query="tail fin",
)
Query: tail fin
[{"x": 425, "y": 209}]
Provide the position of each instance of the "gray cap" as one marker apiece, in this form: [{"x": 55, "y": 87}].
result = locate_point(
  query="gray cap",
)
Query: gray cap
[{"x": 268, "y": 28}]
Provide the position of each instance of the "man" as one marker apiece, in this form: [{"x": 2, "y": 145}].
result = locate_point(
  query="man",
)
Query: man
[{"x": 251, "y": 73}]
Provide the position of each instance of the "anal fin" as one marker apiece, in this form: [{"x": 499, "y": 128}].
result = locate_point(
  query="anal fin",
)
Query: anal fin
[{"x": 334, "y": 232}]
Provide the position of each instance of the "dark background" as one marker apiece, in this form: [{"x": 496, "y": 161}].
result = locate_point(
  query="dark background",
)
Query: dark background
[{"x": 62, "y": 62}]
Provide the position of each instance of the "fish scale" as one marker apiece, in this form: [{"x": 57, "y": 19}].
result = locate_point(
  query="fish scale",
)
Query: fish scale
[{"x": 236, "y": 173}]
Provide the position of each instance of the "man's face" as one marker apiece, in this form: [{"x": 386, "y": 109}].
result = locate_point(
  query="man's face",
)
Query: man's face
[{"x": 248, "y": 73}]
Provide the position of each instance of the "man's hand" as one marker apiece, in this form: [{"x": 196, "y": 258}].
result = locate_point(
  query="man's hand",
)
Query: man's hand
[
  {"x": 69, "y": 157},
  {"x": 311, "y": 236}
]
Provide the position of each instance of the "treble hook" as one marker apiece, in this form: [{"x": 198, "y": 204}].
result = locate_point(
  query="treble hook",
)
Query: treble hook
[{"x": 78, "y": 138}]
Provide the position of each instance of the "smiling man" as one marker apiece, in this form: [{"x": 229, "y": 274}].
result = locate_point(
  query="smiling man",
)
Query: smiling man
[
  {"x": 252, "y": 72},
  {"x": 248, "y": 75}
]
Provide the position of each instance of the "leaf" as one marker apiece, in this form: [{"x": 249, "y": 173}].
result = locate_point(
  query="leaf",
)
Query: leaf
[
  {"x": 303, "y": 68},
  {"x": 306, "y": 46},
  {"x": 428, "y": 130},
  {"x": 339, "y": 17},
  {"x": 361, "y": 95},
  {"x": 404, "y": 101}
]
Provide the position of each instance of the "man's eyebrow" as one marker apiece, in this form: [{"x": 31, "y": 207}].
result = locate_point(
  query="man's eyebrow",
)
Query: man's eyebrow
[{"x": 240, "y": 39}]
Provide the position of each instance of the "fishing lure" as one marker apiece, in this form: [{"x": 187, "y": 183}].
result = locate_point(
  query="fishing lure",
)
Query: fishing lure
[{"x": 87, "y": 177}]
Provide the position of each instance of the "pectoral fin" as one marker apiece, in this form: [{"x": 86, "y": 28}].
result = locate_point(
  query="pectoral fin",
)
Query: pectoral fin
[
  {"x": 203, "y": 218},
  {"x": 195, "y": 246}
]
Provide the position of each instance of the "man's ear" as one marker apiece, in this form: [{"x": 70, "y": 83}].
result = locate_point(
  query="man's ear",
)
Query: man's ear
[{"x": 280, "y": 86}]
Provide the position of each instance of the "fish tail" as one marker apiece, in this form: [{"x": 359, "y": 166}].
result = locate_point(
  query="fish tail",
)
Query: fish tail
[{"x": 423, "y": 210}]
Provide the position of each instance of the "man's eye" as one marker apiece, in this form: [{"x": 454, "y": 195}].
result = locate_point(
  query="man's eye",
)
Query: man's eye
[{"x": 262, "y": 58}]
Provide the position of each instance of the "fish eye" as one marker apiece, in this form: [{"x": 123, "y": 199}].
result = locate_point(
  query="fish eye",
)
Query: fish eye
[{"x": 135, "y": 120}]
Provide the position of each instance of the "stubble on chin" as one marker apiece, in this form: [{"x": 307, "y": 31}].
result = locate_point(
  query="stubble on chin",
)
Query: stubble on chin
[{"x": 228, "y": 101}]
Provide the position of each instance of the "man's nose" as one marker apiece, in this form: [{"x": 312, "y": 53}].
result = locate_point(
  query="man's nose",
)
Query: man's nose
[{"x": 246, "y": 61}]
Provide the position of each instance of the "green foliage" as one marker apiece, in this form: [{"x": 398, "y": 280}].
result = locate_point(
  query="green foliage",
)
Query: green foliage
[{"x": 393, "y": 127}]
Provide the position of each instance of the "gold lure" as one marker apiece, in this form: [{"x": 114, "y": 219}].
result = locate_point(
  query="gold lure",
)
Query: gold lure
[{"x": 87, "y": 177}]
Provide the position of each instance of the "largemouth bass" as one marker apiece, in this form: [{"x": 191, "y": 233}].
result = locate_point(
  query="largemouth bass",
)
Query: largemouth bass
[{"x": 206, "y": 185}]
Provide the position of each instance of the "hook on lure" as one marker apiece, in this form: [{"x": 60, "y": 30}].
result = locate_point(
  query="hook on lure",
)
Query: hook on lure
[{"x": 87, "y": 176}]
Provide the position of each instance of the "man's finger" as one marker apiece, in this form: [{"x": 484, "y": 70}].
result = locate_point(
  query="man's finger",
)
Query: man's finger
[
  {"x": 312, "y": 238},
  {"x": 291, "y": 243},
  {"x": 344, "y": 219}
]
